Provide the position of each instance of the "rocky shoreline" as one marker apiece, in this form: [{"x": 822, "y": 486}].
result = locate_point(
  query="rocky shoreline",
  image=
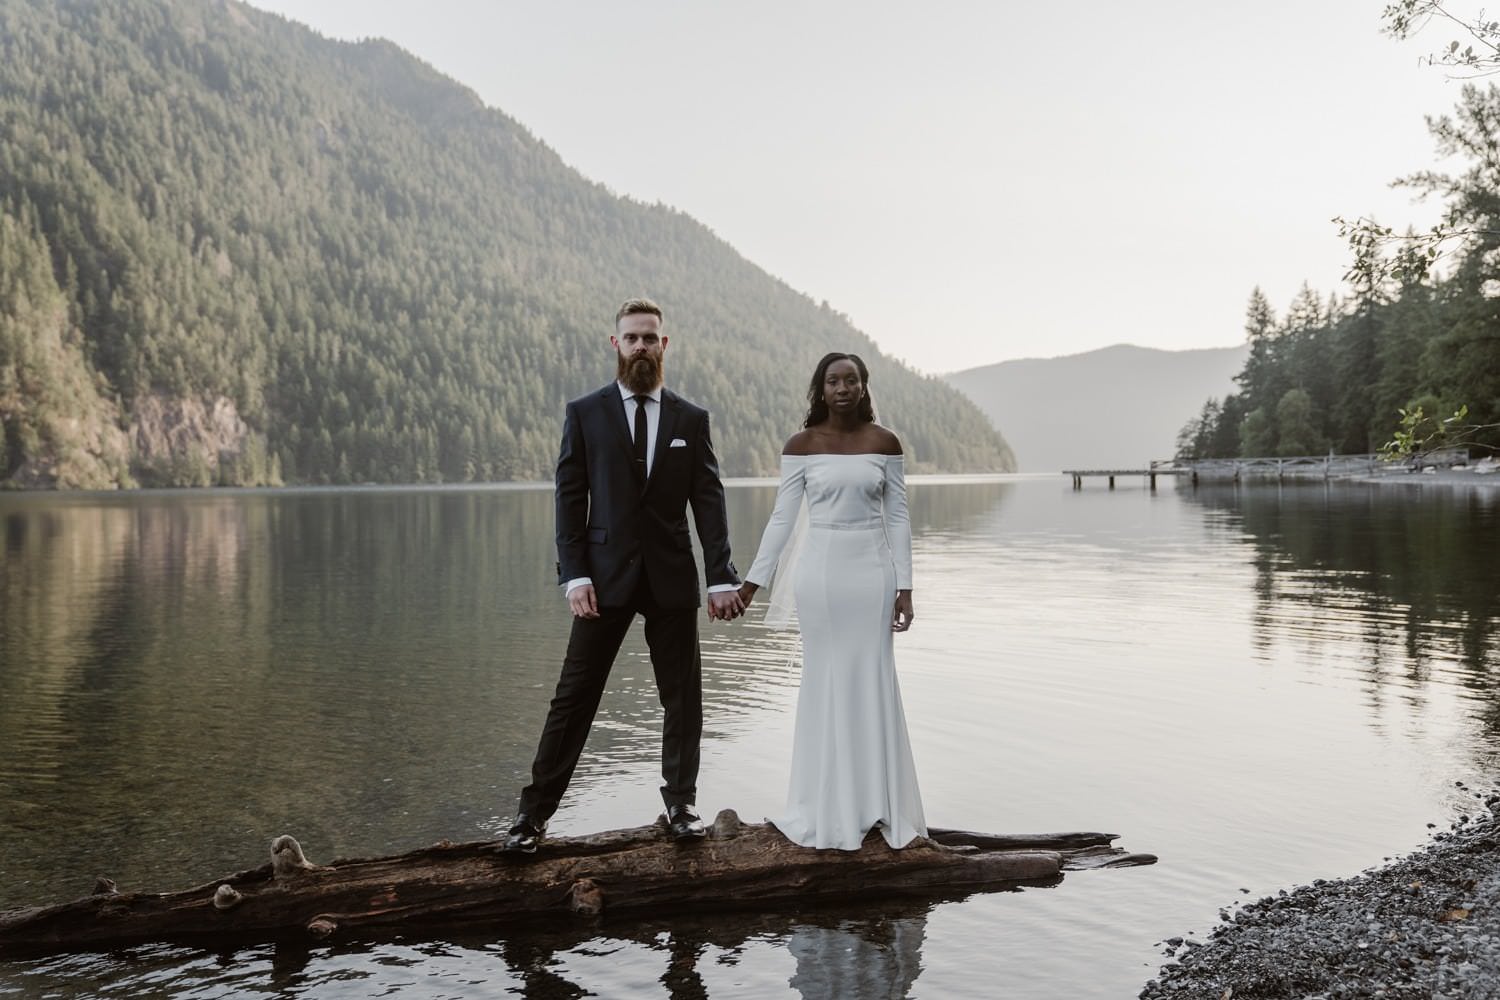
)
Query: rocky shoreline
[
  {"x": 1426, "y": 926},
  {"x": 1482, "y": 475}
]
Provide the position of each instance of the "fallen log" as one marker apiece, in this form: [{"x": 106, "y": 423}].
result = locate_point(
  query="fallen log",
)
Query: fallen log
[{"x": 637, "y": 871}]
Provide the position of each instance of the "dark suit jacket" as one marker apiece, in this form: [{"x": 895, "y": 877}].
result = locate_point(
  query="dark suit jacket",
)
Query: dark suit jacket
[{"x": 611, "y": 526}]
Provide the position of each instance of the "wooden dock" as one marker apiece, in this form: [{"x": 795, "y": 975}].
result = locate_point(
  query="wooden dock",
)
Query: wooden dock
[
  {"x": 1321, "y": 466},
  {"x": 1150, "y": 473},
  {"x": 1281, "y": 467}
]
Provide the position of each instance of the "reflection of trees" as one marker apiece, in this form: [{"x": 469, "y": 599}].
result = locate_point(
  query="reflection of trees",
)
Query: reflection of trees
[
  {"x": 1411, "y": 570},
  {"x": 187, "y": 675},
  {"x": 209, "y": 670}
]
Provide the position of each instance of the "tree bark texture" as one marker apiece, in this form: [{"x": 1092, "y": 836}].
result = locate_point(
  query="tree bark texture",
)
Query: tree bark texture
[{"x": 620, "y": 873}]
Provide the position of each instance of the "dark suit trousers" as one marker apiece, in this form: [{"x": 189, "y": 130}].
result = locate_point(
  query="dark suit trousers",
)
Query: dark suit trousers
[{"x": 672, "y": 637}]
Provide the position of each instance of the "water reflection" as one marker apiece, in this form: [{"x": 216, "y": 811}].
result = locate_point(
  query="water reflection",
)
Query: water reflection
[
  {"x": 870, "y": 956},
  {"x": 184, "y": 676},
  {"x": 312, "y": 653},
  {"x": 307, "y": 653},
  {"x": 835, "y": 952},
  {"x": 1408, "y": 573}
]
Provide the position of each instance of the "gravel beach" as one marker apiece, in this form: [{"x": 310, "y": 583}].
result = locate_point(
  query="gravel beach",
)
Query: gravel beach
[{"x": 1425, "y": 925}]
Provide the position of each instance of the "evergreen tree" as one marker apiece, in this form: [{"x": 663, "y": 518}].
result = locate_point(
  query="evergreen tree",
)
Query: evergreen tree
[{"x": 355, "y": 267}]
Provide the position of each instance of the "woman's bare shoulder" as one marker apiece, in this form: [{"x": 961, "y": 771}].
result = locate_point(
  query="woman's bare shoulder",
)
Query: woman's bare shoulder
[
  {"x": 799, "y": 443},
  {"x": 886, "y": 441}
]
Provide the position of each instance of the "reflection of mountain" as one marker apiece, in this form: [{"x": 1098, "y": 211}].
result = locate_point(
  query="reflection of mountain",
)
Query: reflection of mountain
[
  {"x": 249, "y": 664},
  {"x": 297, "y": 662},
  {"x": 1414, "y": 569}
]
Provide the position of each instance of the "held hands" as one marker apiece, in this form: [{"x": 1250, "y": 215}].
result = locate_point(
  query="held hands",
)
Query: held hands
[
  {"x": 730, "y": 604},
  {"x": 725, "y": 605},
  {"x": 901, "y": 614}
]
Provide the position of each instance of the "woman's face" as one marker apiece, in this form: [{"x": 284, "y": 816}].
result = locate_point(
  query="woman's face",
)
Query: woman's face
[{"x": 842, "y": 387}]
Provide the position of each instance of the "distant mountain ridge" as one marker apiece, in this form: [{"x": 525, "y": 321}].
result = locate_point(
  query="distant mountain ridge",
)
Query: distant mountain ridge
[
  {"x": 234, "y": 251},
  {"x": 1115, "y": 407}
]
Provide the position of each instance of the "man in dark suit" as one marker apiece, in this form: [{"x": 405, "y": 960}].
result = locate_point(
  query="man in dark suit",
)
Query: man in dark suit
[{"x": 634, "y": 457}]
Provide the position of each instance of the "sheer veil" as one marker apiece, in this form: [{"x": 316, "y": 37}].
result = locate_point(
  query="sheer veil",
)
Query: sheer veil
[{"x": 781, "y": 610}]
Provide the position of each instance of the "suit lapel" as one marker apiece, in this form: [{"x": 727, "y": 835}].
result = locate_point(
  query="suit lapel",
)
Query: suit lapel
[
  {"x": 665, "y": 425},
  {"x": 614, "y": 415}
]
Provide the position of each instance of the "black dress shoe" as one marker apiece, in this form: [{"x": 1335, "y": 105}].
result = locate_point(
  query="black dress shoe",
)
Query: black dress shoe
[
  {"x": 524, "y": 836},
  {"x": 684, "y": 823}
]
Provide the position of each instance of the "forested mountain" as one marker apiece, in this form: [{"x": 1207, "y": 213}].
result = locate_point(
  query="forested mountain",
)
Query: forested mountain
[
  {"x": 233, "y": 251},
  {"x": 1117, "y": 407},
  {"x": 1330, "y": 374}
]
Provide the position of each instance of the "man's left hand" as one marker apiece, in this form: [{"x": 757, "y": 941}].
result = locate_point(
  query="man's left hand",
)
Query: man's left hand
[{"x": 725, "y": 605}]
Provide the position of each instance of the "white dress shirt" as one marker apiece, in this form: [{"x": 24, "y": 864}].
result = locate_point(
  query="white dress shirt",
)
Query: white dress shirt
[{"x": 653, "y": 419}]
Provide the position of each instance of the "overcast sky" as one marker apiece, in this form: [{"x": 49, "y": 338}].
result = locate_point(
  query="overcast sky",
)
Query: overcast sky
[{"x": 971, "y": 182}]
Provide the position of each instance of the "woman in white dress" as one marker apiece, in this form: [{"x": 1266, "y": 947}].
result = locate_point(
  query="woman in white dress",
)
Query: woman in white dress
[{"x": 852, "y": 767}]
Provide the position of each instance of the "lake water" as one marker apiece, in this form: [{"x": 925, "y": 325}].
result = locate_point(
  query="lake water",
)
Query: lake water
[{"x": 1262, "y": 685}]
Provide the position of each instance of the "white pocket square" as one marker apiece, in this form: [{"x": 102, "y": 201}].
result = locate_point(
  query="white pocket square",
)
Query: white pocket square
[{"x": 677, "y": 443}]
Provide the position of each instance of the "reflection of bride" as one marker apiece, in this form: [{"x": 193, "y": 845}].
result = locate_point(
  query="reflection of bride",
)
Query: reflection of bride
[
  {"x": 875, "y": 957},
  {"x": 852, "y": 766}
]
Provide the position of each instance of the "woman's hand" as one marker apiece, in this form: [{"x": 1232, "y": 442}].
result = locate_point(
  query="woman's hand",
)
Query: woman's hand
[
  {"x": 901, "y": 614},
  {"x": 747, "y": 591}
]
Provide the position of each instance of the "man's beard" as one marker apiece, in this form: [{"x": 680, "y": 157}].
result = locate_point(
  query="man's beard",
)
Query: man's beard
[{"x": 640, "y": 373}]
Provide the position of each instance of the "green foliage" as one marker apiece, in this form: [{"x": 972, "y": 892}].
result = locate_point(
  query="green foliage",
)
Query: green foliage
[
  {"x": 1477, "y": 49},
  {"x": 1418, "y": 435},
  {"x": 386, "y": 280},
  {"x": 55, "y": 424},
  {"x": 1296, "y": 430},
  {"x": 1257, "y": 433},
  {"x": 1404, "y": 342}
]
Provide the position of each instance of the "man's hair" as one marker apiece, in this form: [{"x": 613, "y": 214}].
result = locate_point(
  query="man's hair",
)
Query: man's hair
[{"x": 632, "y": 306}]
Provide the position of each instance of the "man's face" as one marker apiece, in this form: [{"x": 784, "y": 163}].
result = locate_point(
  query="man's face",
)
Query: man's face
[{"x": 640, "y": 346}]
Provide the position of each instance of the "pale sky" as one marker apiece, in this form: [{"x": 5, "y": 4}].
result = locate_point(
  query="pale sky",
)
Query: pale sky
[{"x": 971, "y": 182}]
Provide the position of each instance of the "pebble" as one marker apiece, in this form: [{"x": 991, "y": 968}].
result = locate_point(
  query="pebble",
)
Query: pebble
[{"x": 1426, "y": 925}]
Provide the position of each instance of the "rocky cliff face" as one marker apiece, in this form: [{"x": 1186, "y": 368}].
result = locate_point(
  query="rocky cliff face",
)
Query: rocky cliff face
[
  {"x": 168, "y": 442},
  {"x": 186, "y": 441}
]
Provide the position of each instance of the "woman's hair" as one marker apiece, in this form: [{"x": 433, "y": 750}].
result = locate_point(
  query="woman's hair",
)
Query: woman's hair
[{"x": 817, "y": 409}]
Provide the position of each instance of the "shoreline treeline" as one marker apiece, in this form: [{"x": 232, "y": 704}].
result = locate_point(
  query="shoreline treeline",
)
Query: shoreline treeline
[{"x": 1331, "y": 374}]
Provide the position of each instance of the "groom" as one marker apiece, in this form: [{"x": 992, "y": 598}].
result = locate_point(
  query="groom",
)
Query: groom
[{"x": 634, "y": 457}]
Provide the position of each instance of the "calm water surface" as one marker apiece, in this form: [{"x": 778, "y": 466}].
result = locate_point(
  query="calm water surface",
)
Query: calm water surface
[{"x": 1261, "y": 685}]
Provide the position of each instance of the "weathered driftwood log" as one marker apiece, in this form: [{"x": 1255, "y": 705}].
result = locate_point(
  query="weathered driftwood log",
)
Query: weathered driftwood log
[{"x": 636, "y": 871}]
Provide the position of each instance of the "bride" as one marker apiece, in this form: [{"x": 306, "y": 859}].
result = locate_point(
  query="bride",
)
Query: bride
[{"x": 852, "y": 766}]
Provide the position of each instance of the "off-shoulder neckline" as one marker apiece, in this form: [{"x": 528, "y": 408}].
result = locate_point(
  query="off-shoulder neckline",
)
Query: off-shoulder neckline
[{"x": 844, "y": 454}]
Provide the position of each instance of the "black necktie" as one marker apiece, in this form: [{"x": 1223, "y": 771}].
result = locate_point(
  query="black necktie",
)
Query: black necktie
[{"x": 640, "y": 433}]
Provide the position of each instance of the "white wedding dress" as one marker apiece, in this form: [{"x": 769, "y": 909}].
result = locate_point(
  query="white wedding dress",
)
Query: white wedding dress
[{"x": 852, "y": 765}]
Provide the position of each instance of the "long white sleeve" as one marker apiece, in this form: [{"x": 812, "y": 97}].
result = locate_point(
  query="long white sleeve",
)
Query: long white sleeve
[
  {"x": 783, "y": 519},
  {"x": 897, "y": 519}
]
